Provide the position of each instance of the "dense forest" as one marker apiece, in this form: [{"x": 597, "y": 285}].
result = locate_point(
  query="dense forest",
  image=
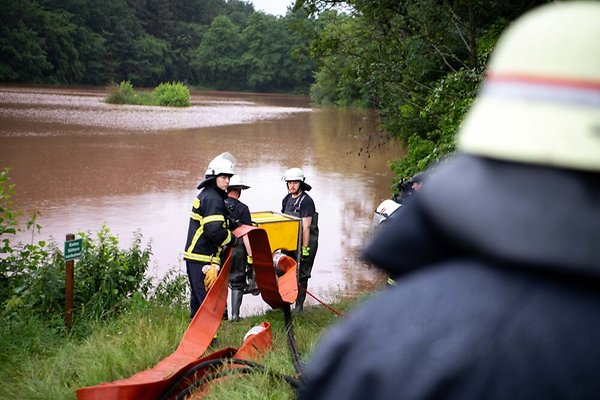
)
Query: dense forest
[
  {"x": 215, "y": 44},
  {"x": 419, "y": 62}
]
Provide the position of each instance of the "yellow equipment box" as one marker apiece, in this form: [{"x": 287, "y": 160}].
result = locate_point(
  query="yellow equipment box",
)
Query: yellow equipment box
[{"x": 283, "y": 230}]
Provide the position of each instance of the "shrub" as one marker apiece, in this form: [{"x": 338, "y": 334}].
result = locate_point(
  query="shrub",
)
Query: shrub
[
  {"x": 122, "y": 94},
  {"x": 32, "y": 276},
  {"x": 174, "y": 94},
  {"x": 166, "y": 94},
  {"x": 107, "y": 279}
]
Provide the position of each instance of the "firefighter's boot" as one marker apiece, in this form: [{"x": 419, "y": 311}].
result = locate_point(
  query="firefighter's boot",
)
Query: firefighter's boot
[
  {"x": 302, "y": 286},
  {"x": 236, "y": 303},
  {"x": 251, "y": 286}
]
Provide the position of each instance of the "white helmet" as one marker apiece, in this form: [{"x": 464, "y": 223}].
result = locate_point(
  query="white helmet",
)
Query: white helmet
[
  {"x": 236, "y": 183},
  {"x": 294, "y": 174},
  {"x": 540, "y": 102},
  {"x": 385, "y": 210},
  {"x": 223, "y": 164}
]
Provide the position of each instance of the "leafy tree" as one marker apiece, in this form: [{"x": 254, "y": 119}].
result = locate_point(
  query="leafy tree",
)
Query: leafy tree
[
  {"x": 23, "y": 55},
  {"x": 342, "y": 49},
  {"x": 60, "y": 37},
  {"x": 218, "y": 59},
  {"x": 418, "y": 62},
  {"x": 91, "y": 47},
  {"x": 147, "y": 62},
  {"x": 186, "y": 38},
  {"x": 239, "y": 12},
  {"x": 266, "y": 51}
]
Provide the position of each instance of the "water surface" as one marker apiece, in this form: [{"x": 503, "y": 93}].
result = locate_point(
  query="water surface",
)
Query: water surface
[{"x": 83, "y": 163}]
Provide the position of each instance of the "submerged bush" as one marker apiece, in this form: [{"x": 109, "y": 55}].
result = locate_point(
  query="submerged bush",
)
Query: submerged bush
[
  {"x": 174, "y": 94},
  {"x": 122, "y": 94}
]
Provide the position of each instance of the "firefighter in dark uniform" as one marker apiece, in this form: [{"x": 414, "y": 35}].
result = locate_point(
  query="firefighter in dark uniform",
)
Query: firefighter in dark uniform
[
  {"x": 299, "y": 204},
  {"x": 241, "y": 278},
  {"x": 207, "y": 232}
]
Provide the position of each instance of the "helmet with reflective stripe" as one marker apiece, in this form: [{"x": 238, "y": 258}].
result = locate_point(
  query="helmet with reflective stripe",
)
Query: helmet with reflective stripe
[
  {"x": 540, "y": 102},
  {"x": 294, "y": 174}
]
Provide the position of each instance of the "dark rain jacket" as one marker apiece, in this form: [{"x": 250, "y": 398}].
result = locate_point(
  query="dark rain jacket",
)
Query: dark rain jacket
[
  {"x": 238, "y": 213},
  {"x": 301, "y": 207},
  {"x": 497, "y": 296},
  {"x": 207, "y": 231}
]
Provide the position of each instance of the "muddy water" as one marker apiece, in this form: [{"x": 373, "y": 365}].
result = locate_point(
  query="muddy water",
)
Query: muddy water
[{"x": 82, "y": 163}]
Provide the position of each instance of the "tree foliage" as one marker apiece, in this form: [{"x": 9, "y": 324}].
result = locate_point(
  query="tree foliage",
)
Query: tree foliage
[
  {"x": 207, "y": 43},
  {"x": 419, "y": 63}
]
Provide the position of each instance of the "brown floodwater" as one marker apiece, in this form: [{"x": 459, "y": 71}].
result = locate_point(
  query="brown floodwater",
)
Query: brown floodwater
[{"x": 82, "y": 163}]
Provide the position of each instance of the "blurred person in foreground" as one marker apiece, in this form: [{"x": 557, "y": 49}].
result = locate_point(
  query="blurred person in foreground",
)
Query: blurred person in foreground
[{"x": 500, "y": 286}]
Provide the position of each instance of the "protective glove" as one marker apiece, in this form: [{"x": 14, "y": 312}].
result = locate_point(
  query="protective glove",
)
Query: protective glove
[
  {"x": 211, "y": 272},
  {"x": 305, "y": 253}
]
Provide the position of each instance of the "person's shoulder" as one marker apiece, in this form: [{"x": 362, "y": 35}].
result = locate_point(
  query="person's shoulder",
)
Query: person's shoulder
[
  {"x": 307, "y": 197},
  {"x": 244, "y": 205},
  {"x": 207, "y": 192}
]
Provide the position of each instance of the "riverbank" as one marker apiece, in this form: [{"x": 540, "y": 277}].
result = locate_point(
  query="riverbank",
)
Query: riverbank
[{"x": 41, "y": 361}]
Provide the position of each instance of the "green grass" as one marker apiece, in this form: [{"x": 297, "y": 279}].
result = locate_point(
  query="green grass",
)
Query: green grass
[{"x": 40, "y": 360}]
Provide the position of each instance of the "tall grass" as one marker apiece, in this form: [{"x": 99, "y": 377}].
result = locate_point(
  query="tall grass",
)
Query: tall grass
[{"x": 41, "y": 361}]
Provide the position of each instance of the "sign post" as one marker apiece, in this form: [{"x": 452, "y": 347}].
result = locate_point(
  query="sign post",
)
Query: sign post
[{"x": 73, "y": 250}]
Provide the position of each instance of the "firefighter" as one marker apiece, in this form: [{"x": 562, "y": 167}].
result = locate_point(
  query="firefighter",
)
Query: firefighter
[
  {"x": 299, "y": 204},
  {"x": 207, "y": 231},
  {"x": 413, "y": 185},
  {"x": 241, "y": 278},
  {"x": 500, "y": 287}
]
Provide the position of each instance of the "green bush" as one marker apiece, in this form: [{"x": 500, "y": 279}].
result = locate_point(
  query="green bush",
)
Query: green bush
[
  {"x": 174, "y": 94},
  {"x": 105, "y": 277},
  {"x": 446, "y": 107},
  {"x": 172, "y": 290},
  {"x": 122, "y": 94},
  {"x": 8, "y": 218}
]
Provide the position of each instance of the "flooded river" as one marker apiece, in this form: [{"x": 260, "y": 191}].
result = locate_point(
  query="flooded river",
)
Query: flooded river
[{"x": 82, "y": 163}]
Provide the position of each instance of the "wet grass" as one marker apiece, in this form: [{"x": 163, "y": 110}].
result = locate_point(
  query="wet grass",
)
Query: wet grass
[{"x": 40, "y": 360}]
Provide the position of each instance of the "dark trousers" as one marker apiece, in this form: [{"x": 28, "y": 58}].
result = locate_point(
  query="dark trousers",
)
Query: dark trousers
[
  {"x": 304, "y": 270},
  {"x": 237, "y": 274},
  {"x": 197, "y": 288}
]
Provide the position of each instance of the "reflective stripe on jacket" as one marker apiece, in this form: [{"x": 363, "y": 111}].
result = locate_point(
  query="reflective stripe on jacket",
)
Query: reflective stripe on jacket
[{"x": 207, "y": 231}]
